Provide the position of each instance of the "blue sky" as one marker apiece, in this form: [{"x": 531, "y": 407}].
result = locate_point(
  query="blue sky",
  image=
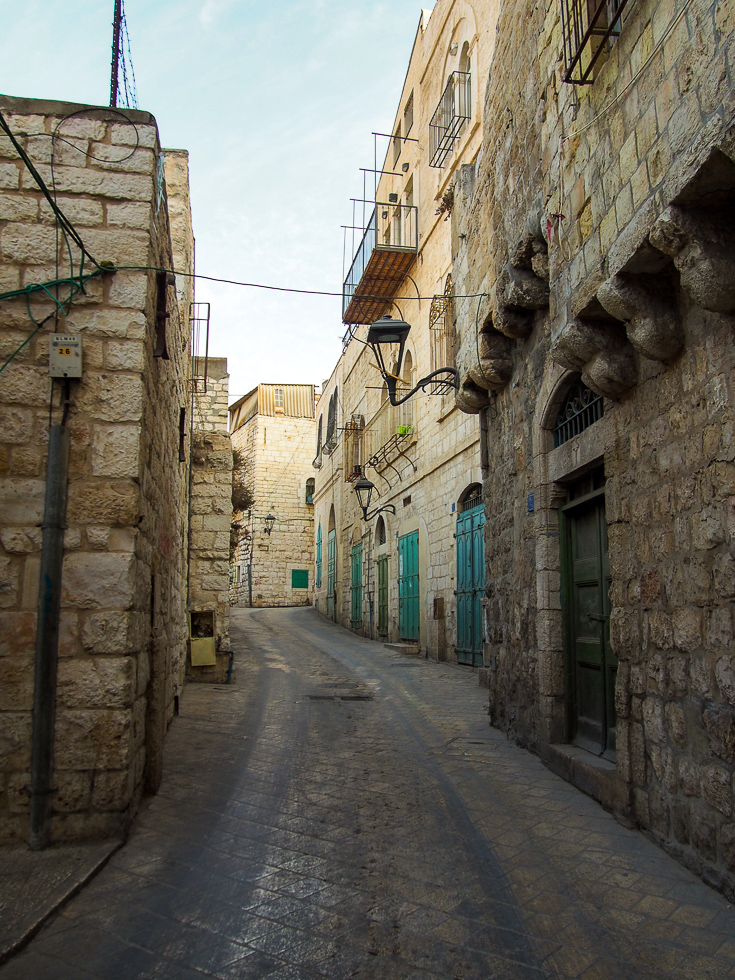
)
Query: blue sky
[{"x": 275, "y": 101}]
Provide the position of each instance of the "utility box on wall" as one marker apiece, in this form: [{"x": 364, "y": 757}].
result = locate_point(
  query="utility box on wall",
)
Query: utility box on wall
[{"x": 202, "y": 638}]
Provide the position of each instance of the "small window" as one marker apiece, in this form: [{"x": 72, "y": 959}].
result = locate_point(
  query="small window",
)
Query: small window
[
  {"x": 299, "y": 578},
  {"x": 579, "y": 410},
  {"x": 380, "y": 535},
  {"x": 471, "y": 498},
  {"x": 310, "y": 484},
  {"x": 397, "y": 142},
  {"x": 278, "y": 400},
  {"x": 408, "y": 116}
]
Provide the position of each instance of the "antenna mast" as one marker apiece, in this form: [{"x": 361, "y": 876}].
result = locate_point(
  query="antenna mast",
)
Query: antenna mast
[{"x": 115, "y": 51}]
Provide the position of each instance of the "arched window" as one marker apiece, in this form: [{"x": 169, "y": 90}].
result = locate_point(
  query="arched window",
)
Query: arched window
[
  {"x": 580, "y": 409},
  {"x": 331, "y": 423},
  {"x": 310, "y": 484},
  {"x": 319, "y": 436},
  {"x": 380, "y": 535},
  {"x": 471, "y": 498}
]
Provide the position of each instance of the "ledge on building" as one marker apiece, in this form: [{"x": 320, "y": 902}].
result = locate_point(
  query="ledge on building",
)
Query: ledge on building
[{"x": 596, "y": 777}]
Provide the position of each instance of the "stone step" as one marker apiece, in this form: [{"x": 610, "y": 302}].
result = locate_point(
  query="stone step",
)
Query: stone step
[{"x": 412, "y": 649}]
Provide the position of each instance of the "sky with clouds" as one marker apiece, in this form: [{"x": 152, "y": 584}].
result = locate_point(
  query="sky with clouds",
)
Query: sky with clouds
[{"x": 276, "y": 102}]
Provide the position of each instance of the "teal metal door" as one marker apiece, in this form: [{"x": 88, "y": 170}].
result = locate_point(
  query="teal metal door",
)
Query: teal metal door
[
  {"x": 470, "y": 585},
  {"x": 356, "y": 586},
  {"x": 383, "y": 594},
  {"x": 408, "y": 586},
  {"x": 331, "y": 571}
]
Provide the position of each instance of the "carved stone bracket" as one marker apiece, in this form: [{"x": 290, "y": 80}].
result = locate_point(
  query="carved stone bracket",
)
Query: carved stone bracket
[
  {"x": 701, "y": 242},
  {"x": 600, "y": 352},
  {"x": 645, "y": 304}
]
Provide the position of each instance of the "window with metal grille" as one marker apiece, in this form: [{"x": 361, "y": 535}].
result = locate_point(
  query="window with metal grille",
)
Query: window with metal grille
[
  {"x": 440, "y": 329},
  {"x": 472, "y": 498},
  {"x": 408, "y": 115},
  {"x": 380, "y": 535},
  {"x": 397, "y": 143},
  {"x": 589, "y": 28},
  {"x": 310, "y": 484},
  {"x": 580, "y": 409},
  {"x": 449, "y": 118}
]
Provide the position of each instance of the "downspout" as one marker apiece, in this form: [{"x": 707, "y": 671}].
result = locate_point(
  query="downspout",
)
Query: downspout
[{"x": 47, "y": 635}]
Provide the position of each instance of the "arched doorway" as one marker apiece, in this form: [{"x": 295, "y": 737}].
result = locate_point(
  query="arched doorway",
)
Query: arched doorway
[{"x": 470, "y": 576}]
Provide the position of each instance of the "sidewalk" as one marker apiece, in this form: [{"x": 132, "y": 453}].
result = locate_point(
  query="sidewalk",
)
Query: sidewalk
[{"x": 35, "y": 884}]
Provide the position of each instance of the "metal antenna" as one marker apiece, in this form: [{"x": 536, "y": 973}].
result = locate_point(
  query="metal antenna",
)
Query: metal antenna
[{"x": 115, "y": 52}]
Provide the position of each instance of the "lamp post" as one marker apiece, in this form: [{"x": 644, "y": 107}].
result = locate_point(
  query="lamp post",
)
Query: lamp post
[
  {"x": 364, "y": 492},
  {"x": 269, "y": 522},
  {"x": 387, "y": 332}
]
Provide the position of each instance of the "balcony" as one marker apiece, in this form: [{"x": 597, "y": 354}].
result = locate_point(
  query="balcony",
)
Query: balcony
[
  {"x": 385, "y": 254},
  {"x": 589, "y": 27},
  {"x": 387, "y": 433},
  {"x": 450, "y": 116}
]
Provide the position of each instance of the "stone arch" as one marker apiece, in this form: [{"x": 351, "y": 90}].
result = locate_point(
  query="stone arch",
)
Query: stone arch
[{"x": 332, "y": 522}]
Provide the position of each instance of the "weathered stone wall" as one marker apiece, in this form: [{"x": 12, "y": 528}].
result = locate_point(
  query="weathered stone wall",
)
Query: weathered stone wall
[
  {"x": 593, "y": 222},
  {"x": 277, "y": 451},
  {"x": 122, "y": 644},
  {"x": 211, "y": 514}
]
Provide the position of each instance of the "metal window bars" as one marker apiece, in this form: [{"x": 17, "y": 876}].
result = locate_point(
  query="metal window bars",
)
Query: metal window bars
[
  {"x": 588, "y": 28},
  {"x": 441, "y": 335},
  {"x": 449, "y": 118},
  {"x": 580, "y": 409},
  {"x": 199, "y": 326}
]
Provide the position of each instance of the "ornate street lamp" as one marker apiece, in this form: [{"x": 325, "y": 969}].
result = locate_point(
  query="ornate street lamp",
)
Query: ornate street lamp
[
  {"x": 269, "y": 522},
  {"x": 388, "y": 332},
  {"x": 364, "y": 491}
]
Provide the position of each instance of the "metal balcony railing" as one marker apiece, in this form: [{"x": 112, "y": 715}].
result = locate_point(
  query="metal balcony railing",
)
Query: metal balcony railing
[
  {"x": 450, "y": 116},
  {"x": 382, "y": 259},
  {"x": 588, "y": 28},
  {"x": 388, "y": 428}
]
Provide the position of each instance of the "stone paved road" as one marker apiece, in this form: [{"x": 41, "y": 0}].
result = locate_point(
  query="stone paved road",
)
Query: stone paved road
[{"x": 346, "y": 811}]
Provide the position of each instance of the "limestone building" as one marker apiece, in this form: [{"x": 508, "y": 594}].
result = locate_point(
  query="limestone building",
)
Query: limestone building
[
  {"x": 596, "y": 222},
  {"x": 416, "y": 575},
  {"x": 272, "y": 541},
  {"x": 105, "y": 442}
]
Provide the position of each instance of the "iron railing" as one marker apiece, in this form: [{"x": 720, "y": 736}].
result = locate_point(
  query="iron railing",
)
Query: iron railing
[
  {"x": 581, "y": 408},
  {"x": 588, "y": 27},
  {"x": 391, "y": 228},
  {"x": 450, "y": 116},
  {"x": 389, "y": 423}
]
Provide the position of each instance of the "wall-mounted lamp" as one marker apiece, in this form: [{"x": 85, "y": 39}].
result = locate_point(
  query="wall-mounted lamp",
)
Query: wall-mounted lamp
[
  {"x": 404, "y": 167},
  {"x": 364, "y": 491},
  {"x": 454, "y": 47},
  {"x": 393, "y": 199},
  {"x": 387, "y": 332},
  {"x": 269, "y": 522}
]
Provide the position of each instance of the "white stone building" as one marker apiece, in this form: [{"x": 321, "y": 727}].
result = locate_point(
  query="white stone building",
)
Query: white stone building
[{"x": 272, "y": 431}]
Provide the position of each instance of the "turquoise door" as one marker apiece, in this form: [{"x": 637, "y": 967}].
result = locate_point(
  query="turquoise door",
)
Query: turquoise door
[
  {"x": 356, "y": 586},
  {"x": 470, "y": 585},
  {"x": 331, "y": 571},
  {"x": 408, "y": 586}
]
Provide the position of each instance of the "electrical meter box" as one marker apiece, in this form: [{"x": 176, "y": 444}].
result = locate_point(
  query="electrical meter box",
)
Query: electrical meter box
[{"x": 65, "y": 355}]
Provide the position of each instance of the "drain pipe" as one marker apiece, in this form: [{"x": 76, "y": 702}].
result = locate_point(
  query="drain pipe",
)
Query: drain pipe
[{"x": 47, "y": 635}]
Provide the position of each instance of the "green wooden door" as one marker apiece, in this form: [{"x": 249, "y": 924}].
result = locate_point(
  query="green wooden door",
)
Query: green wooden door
[
  {"x": 356, "y": 586},
  {"x": 382, "y": 594},
  {"x": 592, "y": 665},
  {"x": 470, "y": 585},
  {"x": 331, "y": 571},
  {"x": 408, "y": 586}
]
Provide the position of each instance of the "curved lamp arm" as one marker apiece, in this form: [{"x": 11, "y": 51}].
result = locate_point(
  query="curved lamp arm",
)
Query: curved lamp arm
[{"x": 449, "y": 377}]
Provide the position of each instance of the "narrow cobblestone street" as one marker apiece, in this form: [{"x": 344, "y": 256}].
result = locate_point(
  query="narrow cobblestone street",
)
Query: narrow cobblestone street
[{"x": 344, "y": 810}]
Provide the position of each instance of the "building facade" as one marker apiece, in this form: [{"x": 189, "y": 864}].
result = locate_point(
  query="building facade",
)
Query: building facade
[
  {"x": 415, "y": 572},
  {"x": 595, "y": 225},
  {"x": 120, "y": 419},
  {"x": 272, "y": 432}
]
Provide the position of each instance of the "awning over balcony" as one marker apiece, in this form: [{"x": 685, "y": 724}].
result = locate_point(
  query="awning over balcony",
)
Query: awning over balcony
[{"x": 385, "y": 255}]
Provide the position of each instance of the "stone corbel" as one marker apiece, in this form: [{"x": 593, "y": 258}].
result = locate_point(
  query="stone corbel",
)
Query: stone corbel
[
  {"x": 645, "y": 306},
  {"x": 701, "y": 243},
  {"x": 600, "y": 352}
]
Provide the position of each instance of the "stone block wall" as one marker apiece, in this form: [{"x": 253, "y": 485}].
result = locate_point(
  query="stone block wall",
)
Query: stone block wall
[
  {"x": 277, "y": 451},
  {"x": 122, "y": 637},
  {"x": 211, "y": 514},
  {"x": 594, "y": 223}
]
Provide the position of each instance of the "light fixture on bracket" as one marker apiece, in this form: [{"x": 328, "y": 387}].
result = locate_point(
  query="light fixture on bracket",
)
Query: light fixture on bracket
[
  {"x": 269, "y": 522},
  {"x": 387, "y": 332},
  {"x": 364, "y": 492},
  {"x": 404, "y": 168}
]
